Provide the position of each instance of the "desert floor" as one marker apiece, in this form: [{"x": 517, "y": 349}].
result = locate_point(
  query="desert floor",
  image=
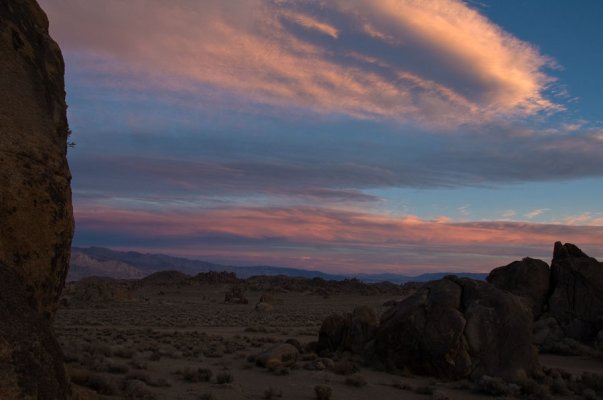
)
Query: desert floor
[{"x": 161, "y": 341}]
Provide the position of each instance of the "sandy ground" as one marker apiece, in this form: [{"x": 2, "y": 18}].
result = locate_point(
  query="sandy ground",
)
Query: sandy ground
[{"x": 152, "y": 345}]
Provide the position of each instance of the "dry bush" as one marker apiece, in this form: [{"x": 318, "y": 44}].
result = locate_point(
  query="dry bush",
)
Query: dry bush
[
  {"x": 323, "y": 392},
  {"x": 96, "y": 382},
  {"x": 345, "y": 368},
  {"x": 355, "y": 380},
  {"x": 224, "y": 377},
  {"x": 272, "y": 393},
  {"x": 195, "y": 375}
]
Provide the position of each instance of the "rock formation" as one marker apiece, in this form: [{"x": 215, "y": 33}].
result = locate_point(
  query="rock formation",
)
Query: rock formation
[
  {"x": 35, "y": 197},
  {"x": 35, "y": 203},
  {"x": 351, "y": 332},
  {"x": 528, "y": 278},
  {"x": 459, "y": 328},
  {"x": 576, "y": 299}
]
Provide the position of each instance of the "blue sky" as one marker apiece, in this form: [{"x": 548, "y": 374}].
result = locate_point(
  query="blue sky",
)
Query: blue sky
[{"x": 358, "y": 136}]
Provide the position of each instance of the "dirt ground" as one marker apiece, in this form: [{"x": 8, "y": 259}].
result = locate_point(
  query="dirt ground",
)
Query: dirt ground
[{"x": 164, "y": 342}]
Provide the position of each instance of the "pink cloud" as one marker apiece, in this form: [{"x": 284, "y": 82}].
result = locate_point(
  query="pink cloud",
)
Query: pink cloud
[
  {"x": 436, "y": 62},
  {"x": 336, "y": 239}
]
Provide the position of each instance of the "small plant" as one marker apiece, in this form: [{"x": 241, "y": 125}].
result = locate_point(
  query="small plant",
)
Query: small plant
[
  {"x": 323, "y": 392},
  {"x": 272, "y": 393},
  {"x": 224, "y": 377},
  {"x": 195, "y": 375},
  {"x": 355, "y": 380}
]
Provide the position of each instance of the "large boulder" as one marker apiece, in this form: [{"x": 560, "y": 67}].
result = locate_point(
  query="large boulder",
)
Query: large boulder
[
  {"x": 350, "y": 332},
  {"x": 528, "y": 278},
  {"x": 35, "y": 196},
  {"x": 576, "y": 299},
  {"x": 35, "y": 203},
  {"x": 459, "y": 328}
]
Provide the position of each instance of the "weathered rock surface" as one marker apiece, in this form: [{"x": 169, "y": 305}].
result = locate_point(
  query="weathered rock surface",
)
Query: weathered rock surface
[
  {"x": 35, "y": 203},
  {"x": 528, "y": 278},
  {"x": 35, "y": 197},
  {"x": 31, "y": 362},
  {"x": 351, "y": 332},
  {"x": 459, "y": 328},
  {"x": 576, "y": 300}
]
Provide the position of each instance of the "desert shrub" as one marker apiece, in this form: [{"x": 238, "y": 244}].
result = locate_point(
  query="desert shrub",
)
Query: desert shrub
[
  {"x": 114, "y": 368},
  {"x": 272, "y": 393},
  {"x": 224, "y": 377},
  {"x": 497, "y": 386},
  {"x": 126, "y": 353},
  {"x": 425, "y": 389},
  {"x": 323, "y": 392},
  {"x": 136, "y": 391},
  {"x": 144, "y": 377},
  {"x": 355, "y": 380},
  {"x": 96, "y": 382},
  {"x": 207, "y": 396},
  {"x": 195, "y": 375},
  {"x": 437, "y": 395},
  {"x": 344, "y": 368}
]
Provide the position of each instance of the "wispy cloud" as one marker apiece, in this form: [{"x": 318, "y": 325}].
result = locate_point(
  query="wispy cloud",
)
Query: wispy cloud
[
  {"x": 436, "y": 62},
  {"x": 535, "y": 213}
]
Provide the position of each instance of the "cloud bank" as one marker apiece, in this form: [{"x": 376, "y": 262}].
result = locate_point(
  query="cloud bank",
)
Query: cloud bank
[{"x": 435, "y": 62}]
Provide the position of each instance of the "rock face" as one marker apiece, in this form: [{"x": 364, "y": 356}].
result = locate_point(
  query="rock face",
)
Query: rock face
[
  {"x": 35, "y": 203},
  {"x": 35, "y": 197},
  {"x": 576, "y": 300},
  {"x": 351, "y": 332},
  {"x": 528, "y": 278},
  {"x": 459, "y": 328},
  {"x": 280, "y": 356},
  {"x": 31, "y": 362}
]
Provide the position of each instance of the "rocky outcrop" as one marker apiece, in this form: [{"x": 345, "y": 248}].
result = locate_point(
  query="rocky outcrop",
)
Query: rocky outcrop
[
  {"x": 350, "y": 332},
  {"x": 35, "y": 203},
  {"x": 528, "y": 278},
  {"x": 459, "y": 328},
  {"x": 576, "y": 299},
  {"x": 280, "y": 356},
  {"x": 35, "y": 206}
]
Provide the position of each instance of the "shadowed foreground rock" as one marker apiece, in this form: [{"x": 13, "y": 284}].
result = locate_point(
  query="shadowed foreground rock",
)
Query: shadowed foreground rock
[
  {"x": 35, "y": 203},
  {"x": 35, "y": 197},
  {"x": 31, "y": 362},
  {"x": 528, "y": 278},
  {"x": 351, "y": 332},
  {"x": 576, "y": 301},
  {"x": 459, "y": 328}
]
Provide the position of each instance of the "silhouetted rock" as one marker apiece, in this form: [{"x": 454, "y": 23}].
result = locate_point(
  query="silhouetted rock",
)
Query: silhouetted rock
[
  {"x": 528, "y": 278},
  {"x": 35, "y": 206},
  {"x": 459, "y": 328},
  {"x": 35, "y": 203},
  {"x": 576, "y": 299},
  {"x": 350, "y": 332}
]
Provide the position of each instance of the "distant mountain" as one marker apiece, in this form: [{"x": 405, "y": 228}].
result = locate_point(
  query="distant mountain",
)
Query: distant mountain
[{"x": 100, "y": 261}]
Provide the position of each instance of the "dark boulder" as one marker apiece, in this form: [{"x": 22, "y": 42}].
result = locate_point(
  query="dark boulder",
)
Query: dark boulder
[
  {"x": 576, "y": 299},
  {"x": 528, "y": 278},
  {"x": 31, "y": 362},
  {"x": 459, "y": 328},
  {"x": 350, "y": 332}
]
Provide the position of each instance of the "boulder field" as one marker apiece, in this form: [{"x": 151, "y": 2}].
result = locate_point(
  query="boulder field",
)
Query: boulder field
[{"x": 459, "y": 328}]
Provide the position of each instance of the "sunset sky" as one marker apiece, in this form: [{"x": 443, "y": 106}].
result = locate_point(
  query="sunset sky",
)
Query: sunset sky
[{"x": 342, "y": 135}]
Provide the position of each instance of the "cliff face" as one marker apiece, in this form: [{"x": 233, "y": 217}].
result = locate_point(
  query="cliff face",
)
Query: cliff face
[
  {"x": 35, "y": 197},
  {"x": 36, "y": 219}
]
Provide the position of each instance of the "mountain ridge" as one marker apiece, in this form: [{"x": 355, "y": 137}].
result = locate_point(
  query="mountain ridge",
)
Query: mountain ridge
[{"x": 105, "y": 262}]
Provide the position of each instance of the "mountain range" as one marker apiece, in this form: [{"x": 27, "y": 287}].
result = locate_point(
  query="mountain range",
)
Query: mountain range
[{"x": 100, "y": 261}]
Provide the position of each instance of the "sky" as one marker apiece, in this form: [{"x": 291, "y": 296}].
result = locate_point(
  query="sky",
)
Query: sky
[{"x": 338, "y": 135}]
